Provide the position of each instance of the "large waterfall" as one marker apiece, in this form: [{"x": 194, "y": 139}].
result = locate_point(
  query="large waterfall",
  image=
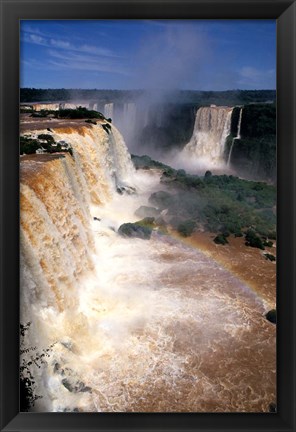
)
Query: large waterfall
[
  {"x": 212, "y": 126},
  {"x": 133, "y": 325}
]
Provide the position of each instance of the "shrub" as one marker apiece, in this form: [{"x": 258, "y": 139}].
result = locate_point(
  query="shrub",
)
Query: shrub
[
  {"x": 253, "y": 240},
  {"x": 46, "y": 137},
  {"x": 186, "y": 228},
  {"x": 28, "y": 145},
  {"x": 220, "y": 239},
  {"x": 181, "y": 173}
]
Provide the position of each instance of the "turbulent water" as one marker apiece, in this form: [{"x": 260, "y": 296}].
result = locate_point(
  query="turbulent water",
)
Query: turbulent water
[{"x": 137, "y": 325}]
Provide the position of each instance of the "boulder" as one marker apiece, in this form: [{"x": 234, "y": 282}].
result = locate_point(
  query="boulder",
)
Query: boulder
[
  {"x": 75, "y": 387},
  {"x": 271, "y": 316},
  {"x": 141, "y": 229}
]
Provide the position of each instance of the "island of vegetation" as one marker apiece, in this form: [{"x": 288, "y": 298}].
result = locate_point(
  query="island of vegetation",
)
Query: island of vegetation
[{"x": 220, "y": 204}]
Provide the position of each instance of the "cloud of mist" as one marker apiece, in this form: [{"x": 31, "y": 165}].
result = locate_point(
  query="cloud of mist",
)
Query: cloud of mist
[
  {"x": 170, "y": 59},
  {"x": 164, "y": 62}
]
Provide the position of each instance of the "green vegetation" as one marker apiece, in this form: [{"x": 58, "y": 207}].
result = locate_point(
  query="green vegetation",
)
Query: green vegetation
[
  {"x": 46, "y": 137},
  {"x": 79, "y": 113},
  {"x": 45, "y": 143},
  {"x": 220, "y": 204},
  {"x": 70, "y": 113},
  {"x": 255, "y": 153},
  {"x": 253, "y": 240},
  {"x": 230, "y": 97},
  {"x": 145, "y": 162},
  {"x": 28, "y": 145},
  {"x": 141, "y": 229},
  {"x": 220, "y": 239},
  {"x": 186, "y": 228}
]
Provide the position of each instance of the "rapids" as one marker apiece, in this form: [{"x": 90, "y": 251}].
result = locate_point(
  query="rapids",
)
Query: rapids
[{"x": 137, "y": 325}]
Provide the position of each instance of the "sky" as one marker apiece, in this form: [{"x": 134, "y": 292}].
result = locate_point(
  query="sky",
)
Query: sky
[{"x": 148, "y": 54}]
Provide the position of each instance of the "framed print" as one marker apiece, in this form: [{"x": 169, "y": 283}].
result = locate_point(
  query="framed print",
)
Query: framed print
[{"x": 147, "y": 214}]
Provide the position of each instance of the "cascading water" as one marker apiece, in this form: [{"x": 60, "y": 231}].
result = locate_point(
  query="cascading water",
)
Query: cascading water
[
  {"x": 212, "y": 126},
  {"x": 109, "y": 110},
  {"x": 238, "y": 136},
  {"x": 145, "y": 326}
]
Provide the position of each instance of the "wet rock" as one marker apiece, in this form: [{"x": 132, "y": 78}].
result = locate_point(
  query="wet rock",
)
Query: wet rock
[
  {"x": 271, "y": 316},
  {"x": 269, "y": 257},
  {"x": 57, "y": 368},
  {"x": 71, "y": 410},
  {"x": 141, "y": 229},
  {"x": 76, "y": 387},
  {"x": 130, "y": 190},
  {"x": 67, "y": 343}
]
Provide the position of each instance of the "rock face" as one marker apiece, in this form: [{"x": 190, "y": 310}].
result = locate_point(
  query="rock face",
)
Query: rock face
[
  {"x": 271, "y": 316},
  {"x": 75, "y": 387},
  {"x": 141, "y": 229},
  {"x": 145, "y": 211}
]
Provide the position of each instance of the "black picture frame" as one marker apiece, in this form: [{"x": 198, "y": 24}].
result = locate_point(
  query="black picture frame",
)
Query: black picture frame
[{"x": 284, "y": 11}]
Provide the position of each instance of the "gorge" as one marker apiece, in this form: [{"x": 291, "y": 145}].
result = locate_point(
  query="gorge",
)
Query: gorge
[{"x": 133, "y": 325}]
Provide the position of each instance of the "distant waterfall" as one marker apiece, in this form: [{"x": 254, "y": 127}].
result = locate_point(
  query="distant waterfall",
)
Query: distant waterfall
[
  {"x": 129, "y": 112},
  {"x": 109, "y": 110},
  {"x": 212, "y": 126},
  {"x": 238, "y": 136}
]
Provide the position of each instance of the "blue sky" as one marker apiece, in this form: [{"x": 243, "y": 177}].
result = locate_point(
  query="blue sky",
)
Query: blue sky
[{"x": 136, "y": 54}]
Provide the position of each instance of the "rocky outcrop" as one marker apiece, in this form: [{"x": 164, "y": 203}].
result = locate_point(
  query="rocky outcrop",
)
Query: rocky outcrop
[
  {"x": 271, "y": 316},
  {"x": 141, "y": 229}
]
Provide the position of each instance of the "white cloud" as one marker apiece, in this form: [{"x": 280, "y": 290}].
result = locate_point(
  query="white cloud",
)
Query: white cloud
[
  {"x": 82, "y": 61},
  {"x": 36, "y": 39},
  {"x": 60, "y": 44},
  {"x": 256, "y": 78},
  {"x": 63, "y": 44}
]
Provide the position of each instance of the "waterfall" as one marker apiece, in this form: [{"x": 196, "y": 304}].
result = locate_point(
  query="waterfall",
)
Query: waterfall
[
  {"x": 129, "y": 330},
  {"x": 129, "y": 114},
  {"x": 56, "y": 196},
  {"x": 109, "y": 110},
  {"x": 238, "y": 136},
  {"x": 212, "y": 126}
]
